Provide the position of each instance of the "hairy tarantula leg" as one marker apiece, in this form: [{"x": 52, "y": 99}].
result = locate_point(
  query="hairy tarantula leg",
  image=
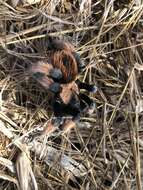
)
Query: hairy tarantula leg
[
  {"x": 56, "y": 74},
  {"x": 80, "y": 64},
  {"x": 57, "y": 121},
  {"x": 47, "y": 76},
  {"x": 46, "y": 69},
  {"x": 47, "y": 83},
  {"x": 55, "y": 87},
  {"x": 88, "y": 101},
  {"x": 88, "y": 87},
  {"x": 61, "y": 109},
  {"x": 68, "y": 125},
  {"x": 54, "y": 44},
  {"x": 83, "y": 105}
]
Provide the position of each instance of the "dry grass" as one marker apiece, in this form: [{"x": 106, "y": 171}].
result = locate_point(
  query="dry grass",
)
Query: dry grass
[{"x": 105, "y": 151}]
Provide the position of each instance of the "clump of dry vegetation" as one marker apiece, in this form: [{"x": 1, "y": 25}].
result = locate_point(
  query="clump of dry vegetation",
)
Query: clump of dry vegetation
[{"x": 105, "y": 150}]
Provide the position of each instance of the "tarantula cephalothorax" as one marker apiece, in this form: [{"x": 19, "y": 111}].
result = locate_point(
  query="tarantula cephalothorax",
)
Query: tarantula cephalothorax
[{"x": 58, "y": 73}]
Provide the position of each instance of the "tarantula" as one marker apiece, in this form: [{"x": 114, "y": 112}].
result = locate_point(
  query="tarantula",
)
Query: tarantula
[{"x": 58, "y": 74}]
